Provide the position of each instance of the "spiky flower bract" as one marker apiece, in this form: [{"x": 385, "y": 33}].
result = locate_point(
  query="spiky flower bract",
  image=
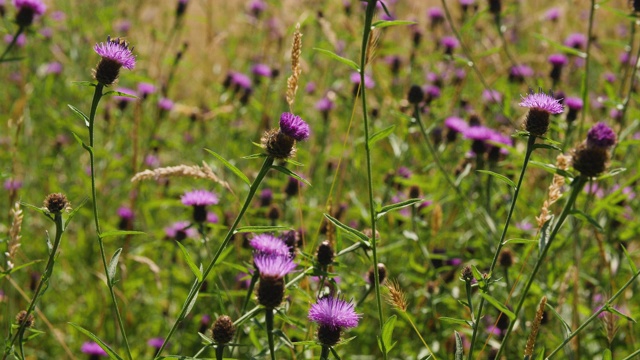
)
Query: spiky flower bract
[
  {"x": 332, "y": 314},
  {"x": 540, "y": 106},
  {"x": 269, "y": 245},
  {"x": 294, "y": 126},
  {"x": 115, "y": 54}
]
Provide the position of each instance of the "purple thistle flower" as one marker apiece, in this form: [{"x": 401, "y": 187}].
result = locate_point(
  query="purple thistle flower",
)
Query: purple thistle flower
[
  {"x": 576, "y": 41},
  {"x": 404, "y": 172},
  {"x": 324, "y": 105},
  {"x": 199, "y": 198},
  {"x": 334, "y": 312},
  {"x": 92, "y": 348},
  {"x": 435, "y": 14},
  {"x": 558, "y": 59},
  {"x": 212, "y": 218},
  {"x": 294, "y": 126},
  {"x": 20, "y": 41},
  {"x": 491, "y": 96},
  {"x": 274, "y": 266},
  {"x": 165, "y": 104},
  {"x": 449, "y": 43},
  {"x": 122, "y": 26},
  {"x": 431, "y": 92},
  {"x": 552, "y": 14},
  {"x": 240, "y": 80},
  {"x": 601, "y": 135},
  {"x": 156, "y": 342},
  {"x": 520, "y": 72},
  {"x": 116, "y": 51},
  {"x": 125, "y": 213},
  {"x": 368, "y": 81},
  {"x": 574, "y": 103},
  {"x": 481, "y": 133},
  {"x": 543, "y": 102},
  {"x": 28, "y": 10},
  {"x": 180, "y": 230},
  {"x": 310, "y": 88},
  {"x": 53, "y": 68},
  {"x": 12, "y": 185},
  {"x": 261, "y": 70},
  {"x": 146, "y": 89},
  {"x": 269, "y": 245}
]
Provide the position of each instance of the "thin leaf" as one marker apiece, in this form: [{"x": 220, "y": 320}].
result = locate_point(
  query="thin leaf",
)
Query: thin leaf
[
  {"x": 459, "y": 347},
  {"x": 519, "y": 241},
  {"x": 113, "y": 233},
  {"x": 286, "y": 171},
  {"x": 453, "y": 320},
  {"x": 623, "y": 315},
  {"x": 384, "y": 23},
  {"x": 545, "y": 232},
  {"x": 79, "y": 112},
  {"x": 255, "y": 156},
  {"x": 190, "y": 305},
  {"x": 112, "y": 354},
  {"x": 33, "y": 207},
  {"x": 75, "y": 210},
  {"x": 563, "y": 48},
  {"x": 583, "y": 216},
  {"x": 498, "y": 305},
  {"x": 499, "y": 177},
  {"x": 612, "y": 173},
  {"x": 196, "y": 271},
  {"x": 293, "y": 162},
  {"x": 119, "y": 93},
  {"x": 387, "y": 333},
  {"x": 12, "y": 59},
  {"x": 346, "y": 228},
  {"x": 634, "y": 269},
  {"x": 547, "y": 146},
  {"x": 397, "y": 206},
  {"x": 606, "y": 355},
  {"x": 352, "y": 64},
  {"x": 261, "y": 229},
  {"x": 381, "y": 134},
  {"x": 113, "y": 264},
  {"x": 567, "y": 328},
  {"x": 230, "y": 166}
]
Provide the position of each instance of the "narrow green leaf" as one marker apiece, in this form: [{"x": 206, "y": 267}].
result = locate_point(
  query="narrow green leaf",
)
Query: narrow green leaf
[
  {"x": 519, "y": 241},
  {"x": 75, "y": 136},
  {"x": 622, "y": 315},
  {"x": 459, "y": 347},
  {"x": 75, "y": 210},
  {"x": 381, "y": 134},
  {"x": 453, "y": 320},
  {"x": 112, "y": 354},
  {"x": 12, "y": 59},
  {"x": 293, "y": 162},
  {"x": 79, "y": 112},
  {"x": 384, "y": 23},
  {"x": 566, "y": 326},
  {"x": 16, "y": 268},
  {"x": 540, "y": 354},
  {"x": 499, "y": 177},
  {"x": 606, "y": 355},
  {"x": 550, "y": 168},
  {"x": 190, "y": 305},
  {"x": 632, "y": 265},
  {"x": 255, "y": 156},
  {"x": 387, "y": 332},
  {"x": 612, "y": 173},
  {"x": 547, "y": 146},
  {"x": 286, "y": 171},
  {"x": 583, "y": 216},
  {"x": 261, "y": 229},
  {"x": 113, "y": 264},
  {"x": 196, "y": 271},
  {"x": 352, "y": 64},
  {"x": 498, "y": 305},
  {"x": 33, "y": 207},
  {"x": 545, "y": 232},
  {"x": 112, "y": 233},
  {"x": 346, "y": 228},
  {"x": 559, "y": 46},
  {"x": 119, "y": 93},
  {"x": 230, "y": 166},
  {"x": 396, "y": 206}
]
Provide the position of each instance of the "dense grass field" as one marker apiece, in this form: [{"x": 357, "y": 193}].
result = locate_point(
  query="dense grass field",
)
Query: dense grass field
[{"x": 203, "y": 179}]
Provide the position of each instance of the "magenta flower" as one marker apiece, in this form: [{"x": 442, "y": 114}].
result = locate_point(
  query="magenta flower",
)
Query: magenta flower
[
  {"x": 165, "y": 104},
  {"x": 294, "y": 126},
  {"x": 456, "y": 124},
  {"x": 156, "y": 342},
  {"x": 146, "y": 89},
  {"x": 117, "y": 51},
  {"x": 601, "y": 135},
  {"x": 274, "y": 266},
  {"x": 558, "y": 59},
  {"x": 368, "y": 81},
  {"x": 576, "y": 41},
  {"x": 332, "y": 315},
  {"x": 269, "y": 245},
  {"x": 180, "y": 230},
  {"x": 199, "y": 198},
  {"x": 261, "y": 70},
  {"x": 543, "y": 102},
  {"x": 28, "y": 10},
  {"x": 92, "y": 348}
]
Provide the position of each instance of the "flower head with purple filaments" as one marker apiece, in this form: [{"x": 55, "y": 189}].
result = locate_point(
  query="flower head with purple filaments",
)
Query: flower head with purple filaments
[
  {"x": 36, "y": 6},
  {"x": 601, "y": 135},
  {"x": 269, "y": 245},
  {"x": 274, "y": 266},
  {"x": 199, "y": 198},
  {"x": 334, "y": 312},
  {"x": 117, "y": 51},
  {"x": 543, "y": 102},
  {"x": 294, "y": 126}
]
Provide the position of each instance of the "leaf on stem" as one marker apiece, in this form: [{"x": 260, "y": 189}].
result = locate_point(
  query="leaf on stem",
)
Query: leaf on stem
[
  {"x": 396, "y": 206},
  {"x": 75, "y": 210},
  {"x": 381, "y": 134},
  {"x": 346, "y": 228},
  {"x": 545, "y": 232},
  {"x": 387, "y": 333},
  {"x": 113, "y": 265},
  {"x": 386, "y": 23},
  {"x": 286, "y": 171},
  {"x": 352, "y": 64},
  {"x": 498, "y": 305},
  {"x": 113, "y": 233},
  {"x": 583, "y": 216},
  {"x": 261, "y": 229},
  {"x": 230, "y": 166},
  {"x": 79, "y": 112},
  {"x": 459, "y": 347},
  {"x": 196, "y": 271},
  {"x": 499, "y": 177}
]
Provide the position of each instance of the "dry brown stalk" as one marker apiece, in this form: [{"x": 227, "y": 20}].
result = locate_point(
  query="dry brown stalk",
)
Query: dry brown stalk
[
  {"x": 14, "y": 234},
  {"x": 292, "y": 81},
  {"x": 193, "y": 171},
  {"x": 555, "y": 190},
  {"x": 396, "y": 297},
  {"x": 531, "y": 341}
]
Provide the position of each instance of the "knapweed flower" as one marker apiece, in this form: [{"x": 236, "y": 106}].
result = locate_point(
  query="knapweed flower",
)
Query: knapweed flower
[
  {"x": 325, "y": 253},
  {"x": 156, "y": 342},
  {"x": 165, "y": 104},
  {"x": 574, "y": 104},
  {"x": 223, "y": 330},
  {"x": 552, "y": 14},
  {"x": 93, "y": 350},
  {"x": 269, "y": 245},
  {"x": 261, "y": 70},
  {"x": 56, "y": 203},
  {"x": 449, "y": 43},
  {"x": 557, "y": 61},
  {"x": 519, "y": 73},
  {"x": 181, "y": 8},
  {"x": 455, "y": 125},
  {"x": 280, "y": 143},
  {"x": 332, "y": 314},
  {"x": 115, "y": 54},
  {"x": 272, "y": 272},
  {"x": 28, "y": 10},
  {"x": 576, "y": 41},
  {"x": 146, "y": 89},
  {"x": 491, "y": 96},
  {"x": 436, "y": 15},
  {"x": 199, "y": 199},
  {"x": 591, "y": 157},
  {"x": 540, "y": 107},
  {"x": 179, "y": 231},
  {"x": 415, "y": 95},
  {"x": 126, "y": 216}
]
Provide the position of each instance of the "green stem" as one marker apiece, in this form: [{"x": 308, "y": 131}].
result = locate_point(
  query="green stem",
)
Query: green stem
[
  {"x": 12, "y": 43},
  {"x": 371, "y": 6},
  {"x": 42, "y": 286},
  {"x": 268, "y": 317},
  {"x": 324, "y": 355},
  {"x": 97, "y": 95},
  {"x": 220, "y": 352},
  {"x": 530, "y": 142},
  {"x": 585, "y": 76},
  {"x": 595, "y": 316},
  {"x": 577, "y": 185},
  {"x": 266, "y": 166}
]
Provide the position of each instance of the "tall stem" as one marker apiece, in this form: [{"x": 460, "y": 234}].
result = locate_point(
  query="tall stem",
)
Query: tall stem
[
  {"x": 530, "y": 142},
  {"x": 268, "y": 318},
  {"x": 371, "y": 6},
  {"x": 585, "y": 76},
  {"x": 97, "y": 95},
  {"x": 266, "y": 166},
  {"x": 324, "y": 355},
  {"x": 577, "y": 185},
  {"x": 12, "y": 43}
]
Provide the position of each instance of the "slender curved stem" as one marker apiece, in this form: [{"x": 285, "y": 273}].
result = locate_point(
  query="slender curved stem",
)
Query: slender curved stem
[
  {"x": 371, "y": 6},
  {"x": 42, "y": 286},
  {"x": 12, "y": 43},
  {"x": 585, "y": 76},
  {"x": 324, "y": 355},
  {"x": 268, "y": 317},
  {"x": 266, "y": 166},
  {"x": 577, "y": 185}
]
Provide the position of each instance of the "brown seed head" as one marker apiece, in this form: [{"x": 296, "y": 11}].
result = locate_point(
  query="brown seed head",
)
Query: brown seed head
[
  {"x": 223, "y": 330},
  {"x": 56, "y": 202}
]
